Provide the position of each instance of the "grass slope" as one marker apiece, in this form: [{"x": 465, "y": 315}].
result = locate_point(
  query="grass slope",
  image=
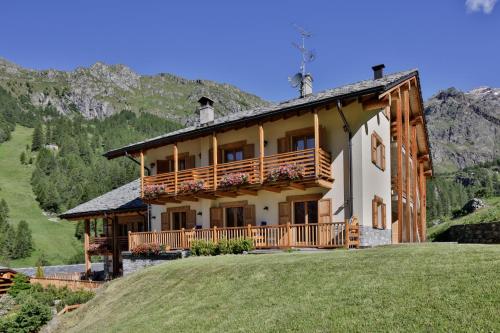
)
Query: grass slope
[
  {"x": 54, "y": 239},
  {"x": 413, "y": 288},
  {"x": 489, "y": 213}
]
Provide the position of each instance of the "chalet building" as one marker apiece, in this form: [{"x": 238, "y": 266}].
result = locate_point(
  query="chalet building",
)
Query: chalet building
[{"x": 345, "y": 167}]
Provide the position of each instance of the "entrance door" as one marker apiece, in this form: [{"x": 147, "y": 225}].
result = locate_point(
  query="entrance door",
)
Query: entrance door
[
  {"x": 179, "y": 220},
  {"x": 234, "y": 217},
  {"x": 305, "y": 213}
]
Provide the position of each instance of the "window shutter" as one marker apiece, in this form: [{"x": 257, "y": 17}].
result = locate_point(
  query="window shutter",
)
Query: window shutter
[
  {"x": 211, "y": 156},
  {"x": 284, "y": 212},
  {"x": 165, "y": 222},
  {"x": 190, "y": 162},
  {"x": 325, "y": 210},
  {"x": 322, "y": 138},
  {"x": 374, "y": 214},
  {"x": 162, "y": 166},
  {"x": 249, "y": 214},
  {"x": 383, "y": 217},
  {"x": 249, "y": 151},
  {"x": 282, "y": 145},
  {"x": 382, "y": 152},
  {"x": 374, "y": 148},
  {"x": 191, "y": 219},
  {"x": 216, "y": 217}
]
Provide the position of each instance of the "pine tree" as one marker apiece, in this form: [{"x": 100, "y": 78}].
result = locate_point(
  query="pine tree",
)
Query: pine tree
[
  {"x": 38, "y": 138},
  {"x": 4, "y": 210},
  {"x": 23, "y": 241},
  {"x": 8, "y": 248},
  {"x": 22, "y": 158}
]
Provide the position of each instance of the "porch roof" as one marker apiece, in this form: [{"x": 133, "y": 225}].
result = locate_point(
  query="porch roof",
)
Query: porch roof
[
  {"x": 123, "y": 199},
  {"x": 347, "y": 91}
]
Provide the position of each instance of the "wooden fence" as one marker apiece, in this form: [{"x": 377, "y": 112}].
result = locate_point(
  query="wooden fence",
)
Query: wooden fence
[
  {"x": 70, "y": 284},
  {"x": 318, "y": 235}
]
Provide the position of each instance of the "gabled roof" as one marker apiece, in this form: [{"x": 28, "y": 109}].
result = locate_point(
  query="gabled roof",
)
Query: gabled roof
[
  {"x": 122, "y": 199},
  {"x": 346, "y": 91}
]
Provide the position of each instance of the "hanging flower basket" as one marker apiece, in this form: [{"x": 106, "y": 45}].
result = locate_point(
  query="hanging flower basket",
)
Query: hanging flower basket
[
  {"x": 290, "y": 171},
  {"x": 153, "y": 191},
  {"x": 192, "y": 186},
  {"x": 234, "y": 180}
]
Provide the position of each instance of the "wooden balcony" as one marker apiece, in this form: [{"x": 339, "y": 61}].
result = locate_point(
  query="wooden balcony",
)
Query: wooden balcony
[
  {"x": 322, "y": 235},
  {"x": 314, "y": 174}
]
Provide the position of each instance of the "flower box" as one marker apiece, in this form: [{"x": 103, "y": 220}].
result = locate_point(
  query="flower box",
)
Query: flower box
[
  {"x": 290, "y": 171},
  {"x": 192, "y": 186},
  {"x": 234, "y": 180},
  {"x": 153, "y": 191}
]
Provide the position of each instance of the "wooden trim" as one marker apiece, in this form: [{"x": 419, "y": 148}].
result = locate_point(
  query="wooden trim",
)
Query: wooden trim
[
  {"x": 261, "y": 153},
  {"x": 180, "y": 209},
  {"x": 305, "y": 197},
  {"x": 300, "y": 132},
  {"x": 176, "y": 168},
  {"x": 376, "y": 203},
  {"x": 231, "y": 204},
  {"x": 86, "y": 244},
  {"x": 316, "y": 144},
  {"x": 399, "y": 178},
  {"x": 233, "y": 145},
  {"x": 375, "y": 104},
  {"x": 376, "y": 141},
  {"x": 406, "y": 101},
  {"x": 142, "y": 174},
  {"x": 414, "y": 150},
  {"x": 214, "y": 159}
]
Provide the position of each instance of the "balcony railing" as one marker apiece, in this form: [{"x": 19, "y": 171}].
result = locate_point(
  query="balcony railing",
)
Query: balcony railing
[
  {"x": 211, "y": 178},
  {"x": 104, "y": 245},
  {"x": 322, "y": 235}
]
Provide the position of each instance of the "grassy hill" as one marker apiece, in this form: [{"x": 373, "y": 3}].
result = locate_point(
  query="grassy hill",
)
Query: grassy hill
[
  {"x": 413, "y": 288},
  {"x": 54, "y": 239},
  {"x": 487, "y": 214}
]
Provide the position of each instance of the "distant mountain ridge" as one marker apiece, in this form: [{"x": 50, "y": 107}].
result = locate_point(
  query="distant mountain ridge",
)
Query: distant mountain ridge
[
  {"x": 101, "y": 90},
  {"x": 464, "y": 127}
]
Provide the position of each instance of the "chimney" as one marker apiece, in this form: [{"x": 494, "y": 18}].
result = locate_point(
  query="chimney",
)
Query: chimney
[
  {"x": 378, "y": 71},
  {"x": 306, "y": 86},
  {"x": 206, "y": 110}
]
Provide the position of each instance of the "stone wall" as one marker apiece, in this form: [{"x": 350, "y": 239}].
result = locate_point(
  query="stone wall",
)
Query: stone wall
[
  {"x": 369, "y": 236},
  {"x": 482, "y": 233},
  {"x": 133, "y": 263}
]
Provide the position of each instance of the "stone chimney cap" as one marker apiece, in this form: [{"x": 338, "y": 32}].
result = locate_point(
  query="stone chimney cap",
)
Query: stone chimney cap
[
  {"x": 205, "y": 101},
  {"x": 378, "y": 71}
]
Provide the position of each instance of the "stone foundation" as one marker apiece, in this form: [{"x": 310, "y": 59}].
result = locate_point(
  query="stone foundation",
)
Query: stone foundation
[
  {"x": 369, "y": 236},
  {"x": 482, "y": 233},
  {"x": 132, "y": 263}
]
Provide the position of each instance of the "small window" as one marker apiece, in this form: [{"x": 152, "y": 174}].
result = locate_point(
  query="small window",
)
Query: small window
[
  {"x": 302, "y": 142},
  {"x": 378, "y": 151},
  {"x": 231, "y": 155},
  {"x": 378, "y": 213}
]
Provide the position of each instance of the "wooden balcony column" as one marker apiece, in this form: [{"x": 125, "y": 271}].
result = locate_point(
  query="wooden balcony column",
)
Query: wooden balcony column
[
  {"x": 406, "y": 105},
  {"x": 214, "y": 152},
  {"x": 142, "y": 173},
  {"x": 261, "y": 153},
  {"x": 86, "y": 245},
  {"x": 176, "y": 167},
  {"x": 414, "y": 150},
  {"x": 316, "y": 144},
  {"x": 399, "y": 178}
]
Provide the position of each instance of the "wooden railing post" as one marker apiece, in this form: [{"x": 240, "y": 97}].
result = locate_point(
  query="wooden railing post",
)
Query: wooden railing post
[
  {"x": 183, "y": 238},
  {"x": 130, "y": 240},
  {"x": 249, "y": 231},
  {"x": 215, "y": 234},
  {"x": 86, "y": 247},
  {"x": 289, "y": 234},
  {"x": 347, "y": 236},
  {"x": 155, "y": 237}
]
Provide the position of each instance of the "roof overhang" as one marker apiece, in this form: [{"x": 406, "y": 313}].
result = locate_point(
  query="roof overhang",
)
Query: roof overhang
[{"x": 103, "y": 213}]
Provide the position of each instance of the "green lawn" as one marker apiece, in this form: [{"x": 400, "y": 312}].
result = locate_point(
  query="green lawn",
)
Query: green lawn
[
  {"x": 55, "y": 239},
  {"x": 406, "y": 288},
  {"x": 487, "y": 214}
]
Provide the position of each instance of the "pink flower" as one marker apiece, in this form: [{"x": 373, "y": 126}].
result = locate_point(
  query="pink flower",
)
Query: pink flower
[
  {"x": 290, "y": 171},
  {"x": 192, "y": 185},
  {"x": 234, "y": 179}
]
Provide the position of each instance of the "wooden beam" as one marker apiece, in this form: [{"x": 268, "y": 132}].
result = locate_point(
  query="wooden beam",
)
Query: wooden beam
[
  {"x": 176, "y": 167},
  {"x": 86, "y": 245},
  {"x": 205, "y": 196},
  {"x": 226, "y": 194},
  {"x": 297, "y": 186},
  {"x": 171, "y": 200},
  {"x": 414, "y": 181},
  {"x": 428, "y": 173},
  {"x": 316, "y": 143},
  {"x": 186, "y": 198},
  {"x": 271, "y": 189},
  {"x": 421, "y": 184},
  {"x": 261, "y": 153},
  {"x": 247, "y": 191},
  {"x": 214, "y": 159},
  {"x": 142, "y": 174},
  {"x": 424, "y": 202},
  {"x": 406, "y": 106},
  {"x": 399, "y": 185},
  {"x": 395, "y": 89},
  {"x": 375, "y": 104},
  {"x": 417, "y": 120},
  {"x": 324, "y": 183},
  {"x": 423, "y": 158}
]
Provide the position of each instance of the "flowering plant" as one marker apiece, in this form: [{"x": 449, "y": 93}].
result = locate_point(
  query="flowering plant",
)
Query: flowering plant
[
  {"x": 234, "y": 179},
  {"x": 96, "y": 247},
  {"x": 290, "y": 171},
  {"x": 154, "y": 190},
  {"x": 146, "y": 249},
  {"x": 192, "y": 185}
]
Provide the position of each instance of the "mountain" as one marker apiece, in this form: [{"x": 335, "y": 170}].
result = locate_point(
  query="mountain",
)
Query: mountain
[
  {"x": 464, "y": 127},
  {"x": 102, "y": 90}
]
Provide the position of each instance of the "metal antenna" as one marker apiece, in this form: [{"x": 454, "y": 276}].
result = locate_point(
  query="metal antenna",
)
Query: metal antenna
[{"x": 307, "y": 55}]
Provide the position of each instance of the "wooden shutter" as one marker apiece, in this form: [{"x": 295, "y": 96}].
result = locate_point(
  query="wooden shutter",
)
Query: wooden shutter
[
  {"x": 190, "y": 162},
  {"x": 216, "y": 217},
  {"x": 162, "y": 166},
  {"x": 374, "y": 148},
  {"x": 383, "y": 217},
  {"x": 285, "y": 215},
  {"x": 249, "y": 151},
  {"x": 374, "y": 214},
  {"x": 249, "y": 214},
  {"x": 211, "y": 156},
  {"x": 165, "y": 221},
  {"x": 383, "y": 156},
  {"x": 322, "y": 138},
  {"x": 325, "y": 210},
  {"x": 191, "y": 219},
  {"x": 282, "y": 145}
]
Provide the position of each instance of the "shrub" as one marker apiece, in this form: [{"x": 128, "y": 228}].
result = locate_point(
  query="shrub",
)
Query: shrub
[
  {"x": 39, "y": 272},
  {"x": 224, "y": 246},
  {"x": 146, "y": 249},
  {"x": 30, "y": 318},
  {"x": 234, "y": 179},
  {"x": 75, "y": 297},
  {"x": 204, "y": 248},
  {"x": 21, "y": 282}
]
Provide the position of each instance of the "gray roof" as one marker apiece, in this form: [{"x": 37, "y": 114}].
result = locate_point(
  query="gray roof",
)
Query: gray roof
[
  {"x": 121, "y": 199},
  {"x": 349, "y": 90}
]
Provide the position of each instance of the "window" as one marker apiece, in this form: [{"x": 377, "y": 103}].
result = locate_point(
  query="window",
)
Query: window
[
  {"x": 378, "y": 151},
  {"x": 231, "y": 155},
  {"x": 378, "y": 213},
  {"x": 234, "y": 217},
  {"x": 179, "y": 220},
  {"x": 302, "y": 142}
]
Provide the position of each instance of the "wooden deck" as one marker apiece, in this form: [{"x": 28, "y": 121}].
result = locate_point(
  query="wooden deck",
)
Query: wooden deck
[
  {"x": 322, "y": 235},
  {"x": 257, "y": 169}
]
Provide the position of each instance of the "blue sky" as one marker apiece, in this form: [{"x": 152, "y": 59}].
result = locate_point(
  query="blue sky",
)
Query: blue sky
[{"x": 248, "y": 44}]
